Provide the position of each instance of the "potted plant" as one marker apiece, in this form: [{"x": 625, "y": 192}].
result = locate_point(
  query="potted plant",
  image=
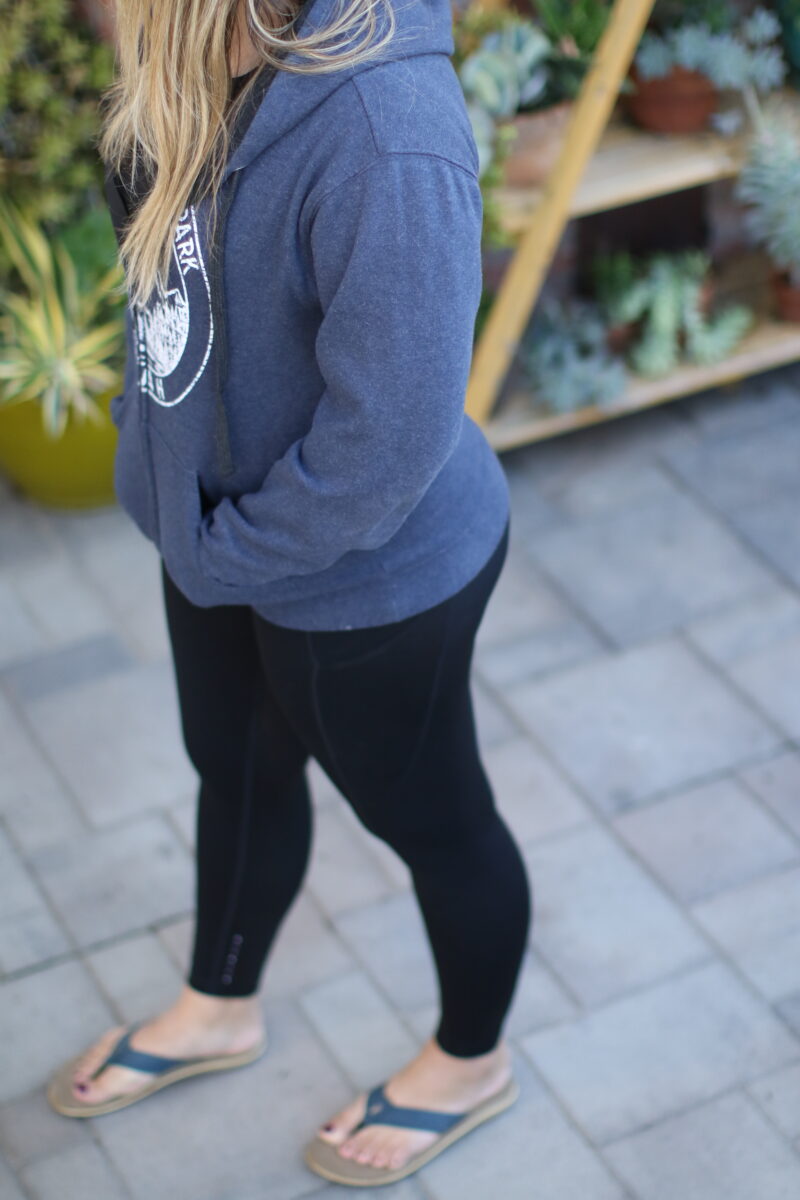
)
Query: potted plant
[
  {"x": 679, "y": 73},
  {"x": 789, "y": 17},
  {"x": 62, "y": 336},
  {"x": 566, "y": 357},
  {"x": 517, "y": 78},
  {"x": 768, "y": 186},
  {"x": 666, "y": 301}
]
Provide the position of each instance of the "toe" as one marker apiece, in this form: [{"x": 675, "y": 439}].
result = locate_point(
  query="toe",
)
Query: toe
[
  {"x": 337, "y": 1130},
  {"x": 93, "y": 1057}
]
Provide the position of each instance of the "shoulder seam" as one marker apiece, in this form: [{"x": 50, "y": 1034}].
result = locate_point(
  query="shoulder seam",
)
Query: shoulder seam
[{"x": 382, "y": 156}]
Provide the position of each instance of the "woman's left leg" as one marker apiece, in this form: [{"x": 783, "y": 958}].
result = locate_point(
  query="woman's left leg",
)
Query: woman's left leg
[{"x": 389, "y": 717}]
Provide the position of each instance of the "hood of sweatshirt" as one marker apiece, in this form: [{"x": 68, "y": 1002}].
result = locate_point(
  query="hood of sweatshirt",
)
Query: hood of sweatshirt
[
  {"x": 292, "y": 427},
  {"x": 421, "y": 27}
]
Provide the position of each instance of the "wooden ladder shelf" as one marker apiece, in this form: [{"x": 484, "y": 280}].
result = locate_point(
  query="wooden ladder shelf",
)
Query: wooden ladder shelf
[{"x": 600, "y": 168}]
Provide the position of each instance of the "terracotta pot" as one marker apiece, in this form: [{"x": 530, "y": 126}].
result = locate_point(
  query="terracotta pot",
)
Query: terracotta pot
[
  {"x": 787, "y": 297},
  {"x": 681, "y": 102},
  {"x": 535, "y": 151}
]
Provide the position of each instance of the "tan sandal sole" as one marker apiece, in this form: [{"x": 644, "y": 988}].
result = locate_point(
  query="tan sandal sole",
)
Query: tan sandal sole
[
  {"x": 62, "y": 1098},
  {"x": 325, "y": 1160}
]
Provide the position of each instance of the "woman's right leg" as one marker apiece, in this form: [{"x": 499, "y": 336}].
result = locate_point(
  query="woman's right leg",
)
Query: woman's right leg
[{"x": 253, "y": 839}]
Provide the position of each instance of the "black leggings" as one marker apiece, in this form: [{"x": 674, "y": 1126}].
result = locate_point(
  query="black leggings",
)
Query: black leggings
[{"x": 386, "y": 711}]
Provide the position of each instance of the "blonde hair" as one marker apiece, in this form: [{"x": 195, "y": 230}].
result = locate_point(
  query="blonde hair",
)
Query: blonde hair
[{"x": 168, "y": 111}]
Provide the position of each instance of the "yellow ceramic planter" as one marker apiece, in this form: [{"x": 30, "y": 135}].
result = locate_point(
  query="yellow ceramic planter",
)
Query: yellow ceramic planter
[{"x": 73, "y": 471}]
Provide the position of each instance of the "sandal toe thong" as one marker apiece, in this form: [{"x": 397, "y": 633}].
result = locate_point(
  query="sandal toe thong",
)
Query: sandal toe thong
[
  {"x": 324, "y": 1158},
  {"x": 166, "y": 1071}
]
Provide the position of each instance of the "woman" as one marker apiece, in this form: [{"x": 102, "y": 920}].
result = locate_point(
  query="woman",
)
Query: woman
[{"x": 302, "y": 250}]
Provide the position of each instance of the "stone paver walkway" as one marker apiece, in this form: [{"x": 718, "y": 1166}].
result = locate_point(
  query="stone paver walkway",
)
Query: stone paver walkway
[{"x": 638, "y": 694}]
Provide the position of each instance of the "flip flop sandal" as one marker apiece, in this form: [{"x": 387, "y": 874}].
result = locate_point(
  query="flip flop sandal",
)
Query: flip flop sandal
[
  {"x": 168, "y": 1070},
  {"x": 325, "y": 1159}
]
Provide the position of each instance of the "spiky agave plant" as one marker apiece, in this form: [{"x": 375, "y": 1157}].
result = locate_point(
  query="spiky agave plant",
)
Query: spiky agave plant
[{"x": 61, "y": 341}]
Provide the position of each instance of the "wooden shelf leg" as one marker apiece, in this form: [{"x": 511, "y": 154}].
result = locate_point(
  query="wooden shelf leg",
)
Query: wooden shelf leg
[{"x": 523, "y": 279}]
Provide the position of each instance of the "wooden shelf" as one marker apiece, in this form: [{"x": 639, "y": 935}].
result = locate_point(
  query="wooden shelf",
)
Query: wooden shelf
[
  {"x": 631, "y": 165},
  {"x": 771, "y": 344}
]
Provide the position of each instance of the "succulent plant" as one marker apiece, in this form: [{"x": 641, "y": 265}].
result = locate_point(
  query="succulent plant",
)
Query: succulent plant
[
  {"x": 664, "y": 296},
  {"x": 508, "y": 73},
  {"x": 768, "y": 185},
  {"x": 565, "y": 354},
  {"x": 738, "y": 58},
  {"x": 63, "y": 328}
]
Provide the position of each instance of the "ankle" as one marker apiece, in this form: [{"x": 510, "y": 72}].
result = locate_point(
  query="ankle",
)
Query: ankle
[
  {"x": 204, "y": 1009},
  {"x": 472, "y": 1067}
]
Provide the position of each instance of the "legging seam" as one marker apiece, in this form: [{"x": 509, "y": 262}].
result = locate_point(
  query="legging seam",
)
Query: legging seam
[{"x": 241, "y": 852}]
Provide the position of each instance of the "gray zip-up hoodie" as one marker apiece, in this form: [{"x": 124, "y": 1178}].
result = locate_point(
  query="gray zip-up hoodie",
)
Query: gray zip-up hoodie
[{"x": 291, "y": 430}]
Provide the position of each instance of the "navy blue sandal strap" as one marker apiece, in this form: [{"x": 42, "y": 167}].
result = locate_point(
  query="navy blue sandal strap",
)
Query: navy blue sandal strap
[
  {"x": 124, "y": 1055},
  {"x": 381, "y": 1111}
]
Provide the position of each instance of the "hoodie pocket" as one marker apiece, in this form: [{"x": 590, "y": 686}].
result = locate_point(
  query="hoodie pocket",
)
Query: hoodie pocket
[{"x": 179, "y": 516}]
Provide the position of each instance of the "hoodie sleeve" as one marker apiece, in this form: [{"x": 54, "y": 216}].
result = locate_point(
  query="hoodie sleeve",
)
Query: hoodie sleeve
[{"x": 395, "y": 253}]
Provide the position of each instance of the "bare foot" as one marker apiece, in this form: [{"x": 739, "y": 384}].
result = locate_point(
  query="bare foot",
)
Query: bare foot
[
  {"x": 195, "y": 1025},
  {"x": 434, "y": 1079}
]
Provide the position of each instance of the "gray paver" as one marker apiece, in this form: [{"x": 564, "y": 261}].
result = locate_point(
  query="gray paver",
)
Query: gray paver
[
  {"x": 407, "y": 1189},
  {"x": 603, "y": 488},
  {"x": 137, "y": 975},
  {"x": 758, "y": 924},
  {"x": 647, "y": 1056},
  {"x": 772, "y": 529},
  {"x": 117, "y": 742},
  {"x": 779, "y": 1096},
  {"x": 601, "y": 923},
  {"x": 522, "y": 603},
  {"x": 537, "y": 653},
  {"x": 30, "y": 1129},
  {"x": 652, "y": 567},
  {"x": 739, "y": 472},
  {"x": 538, "y": 1001},
  {"x": 54, "y": 1014},
  {"x": 534, "y": 799},
  {"x": 722, "y": 1151},
  {"x": 770, "y": 678},
  {"x": 29, "y": 933},
  {"x": 707, "y": 839},
  {"x": 389, "y": 940},
  {"x": 746, "y": 407},
  {"x": 9, "y": 1189},
  {"x": 66, "y": 668},
  {"x": 64, "y": 605},
  {"x": 306, "y": 952},
  {"x": 735, "y": 633},
  {"x": 758, "y": 644},
  {"x": 777, "y": 783},
  {"x": 32, "y": 801},
  {"x": 232, "y": 1134},
  {"x": 493, "y": 725},
  {"x": 116, "y": 881},
  {"x": 342, "y": 874},
  {"x": 359, "y": 1028},
  {"x": 530, "y": 1149},
  {"x": 644, "y": 721},
  {"x": 20, "y": 635},
  {"x": 83, "y": 1171},
  {"x": 125, "y": 569}
]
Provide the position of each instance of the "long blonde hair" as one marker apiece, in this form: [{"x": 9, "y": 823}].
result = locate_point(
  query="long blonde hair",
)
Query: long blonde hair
[{"x": 168, "y": 111}]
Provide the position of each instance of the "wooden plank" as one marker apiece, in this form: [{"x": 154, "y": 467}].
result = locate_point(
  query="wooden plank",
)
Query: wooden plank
[
  {"x": 771, "y": 344},
  {"x": 521, "y": 283},
  {"x": 631, "y": 165}
]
